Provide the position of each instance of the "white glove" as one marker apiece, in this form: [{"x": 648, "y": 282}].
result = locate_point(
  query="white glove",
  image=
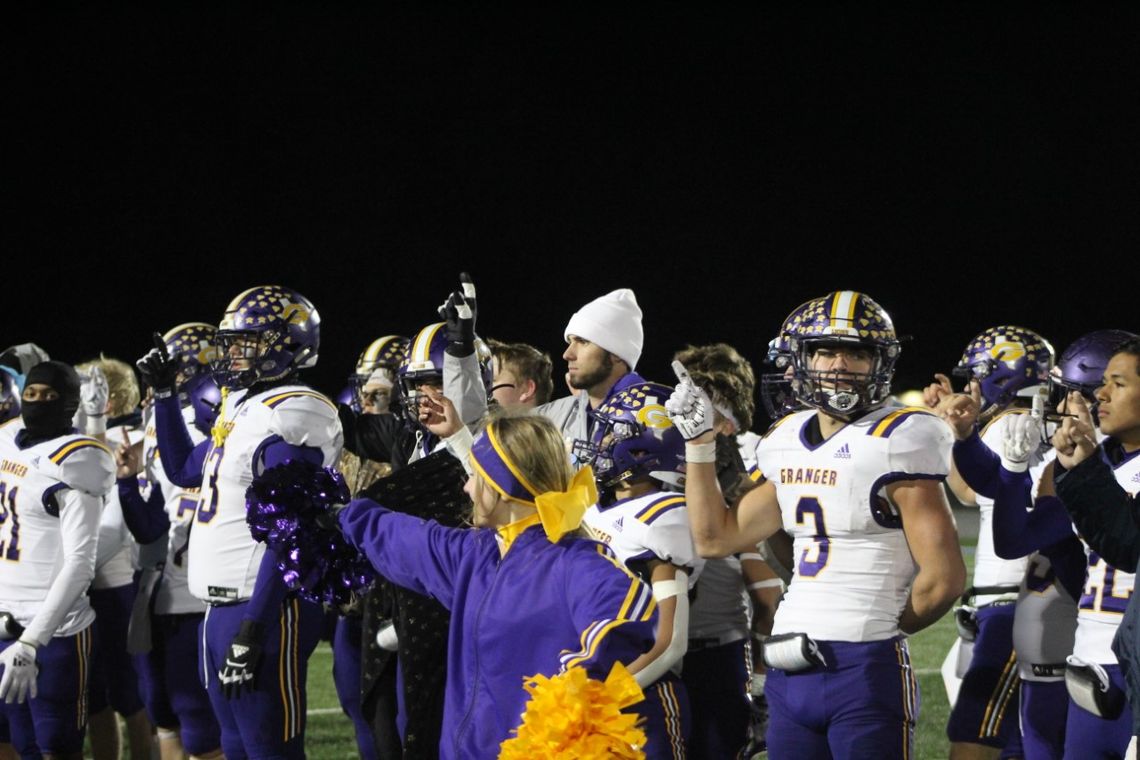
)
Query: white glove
[
  {"x": 386, "y": 638},
  {"x": 19, "y": 680},
  {"x": 689, "y": 407},
  {"x": 93, "y": 395},
  {"x": 1021, "y": 439}
]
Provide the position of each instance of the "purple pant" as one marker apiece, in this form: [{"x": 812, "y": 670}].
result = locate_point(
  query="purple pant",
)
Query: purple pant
[
  {"x": 667, "y": 719},
  {"x": 113, "y": 679},
  {"x": 270, "y": 721},
  {"x": 172, "y": 688},
  {"x": 987, "y": 705},
  {"x": 1086, "y": 735},
  {"x": 56, "y": 720},
  {"x": 716, "y": 678},
  {"x": 1044, "y": 707},
  {"x": 863, "y": 704},
  {"x": 346, "y": 676}
]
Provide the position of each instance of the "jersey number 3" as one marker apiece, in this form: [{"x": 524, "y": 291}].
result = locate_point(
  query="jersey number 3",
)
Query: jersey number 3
[
  {"x": 814, "y": 557},
  {"x": 208, "y": 506}
]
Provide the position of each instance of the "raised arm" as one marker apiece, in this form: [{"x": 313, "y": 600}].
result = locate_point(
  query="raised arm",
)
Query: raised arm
[{"x": 718, "y": 529}]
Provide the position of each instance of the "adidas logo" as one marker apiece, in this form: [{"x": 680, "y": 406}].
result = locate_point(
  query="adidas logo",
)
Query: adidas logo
[
  {"x": 1136, "y": 478},
  {"x": 617, "y": 524},
  {"x": 844, "y": 452}
]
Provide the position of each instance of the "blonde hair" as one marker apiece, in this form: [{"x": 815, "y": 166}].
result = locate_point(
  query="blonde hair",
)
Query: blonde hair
[
  {"x": 535, "y": 446},
  {"x": 121, "y": 383}
]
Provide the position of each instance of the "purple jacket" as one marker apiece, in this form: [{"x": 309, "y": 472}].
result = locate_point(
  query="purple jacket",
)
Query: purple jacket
[{"x": 541, "y": 608}]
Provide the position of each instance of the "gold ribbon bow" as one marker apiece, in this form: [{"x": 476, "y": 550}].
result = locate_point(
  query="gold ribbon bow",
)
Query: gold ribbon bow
[{"x": 561, "y": 511}]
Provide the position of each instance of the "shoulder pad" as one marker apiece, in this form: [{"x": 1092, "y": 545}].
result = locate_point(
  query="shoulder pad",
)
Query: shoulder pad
[
  {"x": 918, "y": 443},
  {"x": 305, "y": 418},
  {"x": 85, "y": 464}
]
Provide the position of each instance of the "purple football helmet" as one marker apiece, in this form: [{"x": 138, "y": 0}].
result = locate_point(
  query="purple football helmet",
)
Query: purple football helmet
[
  {"x": 423, "y": 363},
  {"x": 267, "y": 333},
  {"x": 10, "y": 405},
  {"x": 385, "y": 354},
  {"x": 776, "y": 387},
  {"x": 205, "y": 398},
  {"x": 1081, "y": 367},
  {"x": 634, "y": 436},
  {"x": 194, "y": 346},
  {"x": 1007, "y": 361},
  {"x": 841, "y": 318}
]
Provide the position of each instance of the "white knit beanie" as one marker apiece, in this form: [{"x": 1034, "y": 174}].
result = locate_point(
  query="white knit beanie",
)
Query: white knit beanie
[{"x": 613, "y": 321}]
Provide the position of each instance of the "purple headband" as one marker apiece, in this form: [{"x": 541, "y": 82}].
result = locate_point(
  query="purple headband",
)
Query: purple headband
[{"x": 492, "y": 462}]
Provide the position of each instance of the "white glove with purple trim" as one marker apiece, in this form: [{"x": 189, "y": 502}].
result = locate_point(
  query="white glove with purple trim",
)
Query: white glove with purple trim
[
  {"x": 19, "y": 680},
  {"x": 1022, "y": 437},
  {"x": 689, "y": 407}
]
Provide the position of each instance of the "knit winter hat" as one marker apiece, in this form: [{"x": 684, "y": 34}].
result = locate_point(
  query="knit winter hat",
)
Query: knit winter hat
[{"x": 613, "y": 321}]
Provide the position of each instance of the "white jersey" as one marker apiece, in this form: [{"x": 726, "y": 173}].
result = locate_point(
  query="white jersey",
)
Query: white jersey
[
  {"x": 50, "y": 497},
  {"x": 224, "y": 558},
  {"x": 173, "y": 596},
  {"x": 989, "y": 568},
  {"x": 116, "y": 557},
  {"x": 1107, "y": 590},
  {"x": 653, "y": 526},
  {"x": 854, "y": 571}
]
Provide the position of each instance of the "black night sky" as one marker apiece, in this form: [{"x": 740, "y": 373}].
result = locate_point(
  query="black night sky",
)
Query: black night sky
[{"x": 967, "y": 166}]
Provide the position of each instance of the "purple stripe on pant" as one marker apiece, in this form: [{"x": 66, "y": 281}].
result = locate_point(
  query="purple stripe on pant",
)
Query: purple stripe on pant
[{"x": 56, "y": 720}]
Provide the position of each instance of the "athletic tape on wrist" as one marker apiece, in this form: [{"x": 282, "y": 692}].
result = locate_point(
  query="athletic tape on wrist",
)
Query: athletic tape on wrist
[{"x": 700, "y": 452}]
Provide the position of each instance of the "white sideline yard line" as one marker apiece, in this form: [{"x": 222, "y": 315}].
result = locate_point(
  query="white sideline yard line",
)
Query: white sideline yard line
[{"x": 323, "y": 711}]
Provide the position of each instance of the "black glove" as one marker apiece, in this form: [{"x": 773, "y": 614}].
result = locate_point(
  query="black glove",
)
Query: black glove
[
  {"x": 242, "y": 658},
  {"x": 158, "y": 370},
  {"x": 459, "y": 311}
]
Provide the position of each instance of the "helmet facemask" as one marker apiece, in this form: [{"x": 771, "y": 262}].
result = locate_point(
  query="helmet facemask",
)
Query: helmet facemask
[
  {"x": 246, "y": 356},
  {"x": 841, "y": 393}
]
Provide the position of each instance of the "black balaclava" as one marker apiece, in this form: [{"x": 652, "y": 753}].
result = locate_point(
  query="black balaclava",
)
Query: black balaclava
[{"x": 45, "y": 420}]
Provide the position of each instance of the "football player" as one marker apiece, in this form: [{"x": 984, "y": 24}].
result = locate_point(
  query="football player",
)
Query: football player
[
  {"x": 1105, "y": 508},
  {"x": 1007, "y": 365},
  {"x": 52, "y": 485},
  {"x": 159, "y": 514},
  {"x": 372, "y": 383},
  {"x": 725, "y": 683},
  {"x": 256, "y": 636},
  {"x": 858, "y": 485},
  {"x": 109, "y": 400},
  {"x": 1058, "y": 614},
  {"x": 638, "y": 457}
]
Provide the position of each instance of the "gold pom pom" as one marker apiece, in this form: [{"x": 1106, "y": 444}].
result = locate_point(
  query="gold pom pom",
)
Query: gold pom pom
[{"x": 574, "y": 716}]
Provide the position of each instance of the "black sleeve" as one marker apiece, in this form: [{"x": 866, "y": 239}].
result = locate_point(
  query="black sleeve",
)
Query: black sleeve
[
  {"x": 1105, "y": 515},
  {"x": 372, "y": 436}
]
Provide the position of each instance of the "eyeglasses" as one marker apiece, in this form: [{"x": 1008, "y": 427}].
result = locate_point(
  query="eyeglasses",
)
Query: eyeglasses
[{"x": 501, "y": 385}]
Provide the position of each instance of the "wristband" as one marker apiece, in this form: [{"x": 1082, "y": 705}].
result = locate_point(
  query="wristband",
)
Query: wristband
[
  {"x": 700, "y": 453},
  {"x": 770, "y": 583}
]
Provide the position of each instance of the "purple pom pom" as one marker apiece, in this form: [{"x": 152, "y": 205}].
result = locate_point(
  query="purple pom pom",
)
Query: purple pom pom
[{"x": 290, "y": 508}]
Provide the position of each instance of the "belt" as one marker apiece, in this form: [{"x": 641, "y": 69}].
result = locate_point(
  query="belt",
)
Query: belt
[{"x": 697, "y": 644}]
